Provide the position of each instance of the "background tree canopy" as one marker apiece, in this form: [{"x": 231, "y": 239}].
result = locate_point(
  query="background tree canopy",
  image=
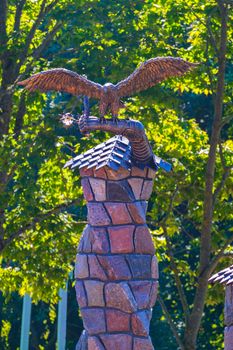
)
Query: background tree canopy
[{"x": 42, "y": 212}]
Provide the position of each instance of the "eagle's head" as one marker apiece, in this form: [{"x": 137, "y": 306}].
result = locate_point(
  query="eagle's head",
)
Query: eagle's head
[{"x": 108, "y": 87}]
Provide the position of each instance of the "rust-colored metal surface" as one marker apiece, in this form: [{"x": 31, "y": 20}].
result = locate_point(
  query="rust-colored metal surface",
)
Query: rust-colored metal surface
[
  {"x": 141, "y": 153},
  {"x": 147, "y": 75}
]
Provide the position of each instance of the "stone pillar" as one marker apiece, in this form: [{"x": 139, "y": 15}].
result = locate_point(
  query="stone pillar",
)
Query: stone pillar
[
  {"x": 225, "y": 277},
  {"x": 116, "y": 270},
  {"x": 228, "y": 318}
]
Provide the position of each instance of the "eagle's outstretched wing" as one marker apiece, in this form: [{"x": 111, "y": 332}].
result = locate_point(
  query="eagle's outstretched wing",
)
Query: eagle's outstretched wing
[
  {"x": 152, "y": 72},
  {"x": 60, "y": 79}
]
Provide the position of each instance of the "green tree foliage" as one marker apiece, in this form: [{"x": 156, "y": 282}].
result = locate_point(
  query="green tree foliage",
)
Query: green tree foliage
[
  {"x": 187, "y": 121},
  {"x": 37, "y": 235},
  {"x": 43, "y": 326}
]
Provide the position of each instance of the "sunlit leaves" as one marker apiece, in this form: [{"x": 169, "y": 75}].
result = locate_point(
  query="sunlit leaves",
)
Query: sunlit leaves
[{"x": 5, "y": 330}]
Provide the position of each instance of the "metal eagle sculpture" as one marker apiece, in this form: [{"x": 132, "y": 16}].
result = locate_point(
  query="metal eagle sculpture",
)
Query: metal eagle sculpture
[{"x": 147, "y": 75}]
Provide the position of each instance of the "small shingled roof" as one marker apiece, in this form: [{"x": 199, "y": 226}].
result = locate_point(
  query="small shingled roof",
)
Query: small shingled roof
[
  {"x": 223, "y": 277},
  {"x": 114, "y": 153}
]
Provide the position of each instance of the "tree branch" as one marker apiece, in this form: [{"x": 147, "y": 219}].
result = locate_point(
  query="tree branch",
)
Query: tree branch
[
  {"x": 19, "y": 116},
  {"x": 221, "y": 155},
  {"x": 3, "y": 16},
  {"x": 30, "y": 35},
  {"x": 211, "y": 35},
  {"x": 220, "y": 254},
  {"x": 18, "y": 14},
  {"x": 179, "y": 286},
  {"x": 164, "y": 219},
  {"x": 225, "y": 175},
  {"x": 170, "y": 322},
  {"x": 42, "y": 13},
  {"x": 205, "y": 243},
  {"x": 208, "y": 67},
  {"x": 205, "y": 247},
  {"x": 175, "y": 270},
  {"x": 207, "y": 25},
  {"x": 227, "y": 119},
  {"x": 36, "y": 220},
  {"x": 219, "y": 188},
  {"x": 225, "y": 167},
  {"x": 38, "y": 51},
  {"x": 227, "y": 254}
]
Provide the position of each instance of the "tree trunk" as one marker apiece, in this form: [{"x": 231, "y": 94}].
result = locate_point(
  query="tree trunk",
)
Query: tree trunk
[
  {"x": 6, "y": 110},
  {"x": 194, "y": 321}
]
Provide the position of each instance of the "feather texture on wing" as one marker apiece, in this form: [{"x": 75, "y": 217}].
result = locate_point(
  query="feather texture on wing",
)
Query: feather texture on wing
[
  {"x": 152, "y": 72},
  {"x": 60, "y": 79},
  {"x": 147, "y": 75}
]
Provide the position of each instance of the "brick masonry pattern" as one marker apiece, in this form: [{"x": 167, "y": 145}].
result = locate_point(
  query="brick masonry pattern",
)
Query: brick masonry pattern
[
  {"x": 116, "y": 270},
  {"x": 226, "y": 277}
]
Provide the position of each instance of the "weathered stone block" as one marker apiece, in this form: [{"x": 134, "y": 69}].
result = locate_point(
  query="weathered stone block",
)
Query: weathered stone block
[
  {"x": 141, "y": 323},
  {"x": 151, "y": 173},
  {"x": 119, "y": 191},
  {"x": 228, "y": 310},
  {"x": 117, "y": 341},
  {"x": 147, "y": 189},
  {"x": 96, "y": 270},
  {"x": 85, "y": 241},
  {"x": 141, "y": 291},
  {"x": 82, "y": 343},
  {"x": 99, "y": 240},
  {"x": 95, "y": 293},
  {"x": 136, "y": 185},
  {"x": 121, "y": 239},
  {"x": 81, "y": 266},
  {"x": 88, "y": 194},
  {"x": 115, "y": 267},
  {"x": 117, "y": 321},
  {"x": 154, "y": 268},
  {"x": 93, "y": 343},
  {"x": 97, "y": 215},
  {"x": 118, "y": 213},
  {"x": 153, "y": 293},
  {"x": 139, "y": 172},
  {"x": 107, "y": 306},
  {"x": 142, "y": 344},
  {"x": 144, "y": 205},
  {"x": 228, "y": 338},
  {"x": 121, "y": 173},
  {"x": 143, "y": 241},
  {"x": 119, "y": 296},
  {"x": 140, "y": 266},
  {"x": 80, "y": 294},
  {"x": 99, "y": 188},
  {"x": 93, "y": 320},
  {"x": 80, "y": 245},
  {"x": 85, "y": 172},
  {"x": 137, "y": 212},
  {"x": 100, "y": 173}
]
